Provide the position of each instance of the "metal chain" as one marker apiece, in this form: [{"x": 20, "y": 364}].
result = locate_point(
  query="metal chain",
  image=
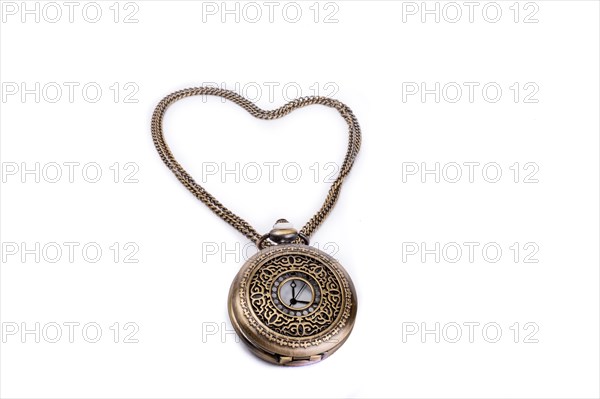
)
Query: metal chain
[{"x": 240, "y": 224}]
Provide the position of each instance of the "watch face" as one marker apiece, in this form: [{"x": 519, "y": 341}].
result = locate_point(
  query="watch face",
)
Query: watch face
[{"x": 296, "y": 293}]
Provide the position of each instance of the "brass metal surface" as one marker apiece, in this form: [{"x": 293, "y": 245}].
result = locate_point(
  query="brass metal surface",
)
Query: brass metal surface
[{"x": 281, "y": 334}]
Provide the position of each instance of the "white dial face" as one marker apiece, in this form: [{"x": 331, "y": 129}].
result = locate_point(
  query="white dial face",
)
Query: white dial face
[{"x": 296, "y": 293}]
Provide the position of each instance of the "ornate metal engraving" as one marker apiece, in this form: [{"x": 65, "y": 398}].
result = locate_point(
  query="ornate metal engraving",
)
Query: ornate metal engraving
[{"x": 296, "y": 297}]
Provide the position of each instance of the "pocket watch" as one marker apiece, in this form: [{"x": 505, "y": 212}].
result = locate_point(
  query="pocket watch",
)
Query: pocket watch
[{"x": 291, "y": 303}]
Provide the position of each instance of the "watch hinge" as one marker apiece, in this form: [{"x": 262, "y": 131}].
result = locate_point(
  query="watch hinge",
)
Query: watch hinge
[{"x": 298, "y": 361}]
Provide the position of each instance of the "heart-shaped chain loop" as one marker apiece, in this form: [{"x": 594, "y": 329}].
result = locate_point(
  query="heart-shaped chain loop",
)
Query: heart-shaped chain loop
[{"x": 240, "y": 224}]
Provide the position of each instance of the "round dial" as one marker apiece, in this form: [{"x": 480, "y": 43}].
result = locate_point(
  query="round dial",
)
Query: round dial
[{"x": 296, "y": 293}]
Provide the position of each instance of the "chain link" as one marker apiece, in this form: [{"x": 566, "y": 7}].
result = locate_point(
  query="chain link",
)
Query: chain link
[{"x": 237, "y": 222}]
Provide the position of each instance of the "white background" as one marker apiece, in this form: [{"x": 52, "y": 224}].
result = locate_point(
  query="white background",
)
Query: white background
[{"x": 368, "y": 56}]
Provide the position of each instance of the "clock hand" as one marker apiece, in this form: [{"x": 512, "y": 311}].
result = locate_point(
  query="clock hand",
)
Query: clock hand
[
  {"x": 301, "y": 289},
  {"x": 293, "y": 285},
  {"x": 306, "y": 302}
]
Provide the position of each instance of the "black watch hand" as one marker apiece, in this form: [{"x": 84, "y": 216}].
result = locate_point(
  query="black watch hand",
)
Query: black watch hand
[
  {"x": 300, "y": 292},
  {"x": 293, "y": 285},
  {"x": 306, "y": 302}
]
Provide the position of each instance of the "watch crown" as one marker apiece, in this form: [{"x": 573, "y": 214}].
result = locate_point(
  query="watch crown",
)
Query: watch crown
[{"x": 283, "y": 232}]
